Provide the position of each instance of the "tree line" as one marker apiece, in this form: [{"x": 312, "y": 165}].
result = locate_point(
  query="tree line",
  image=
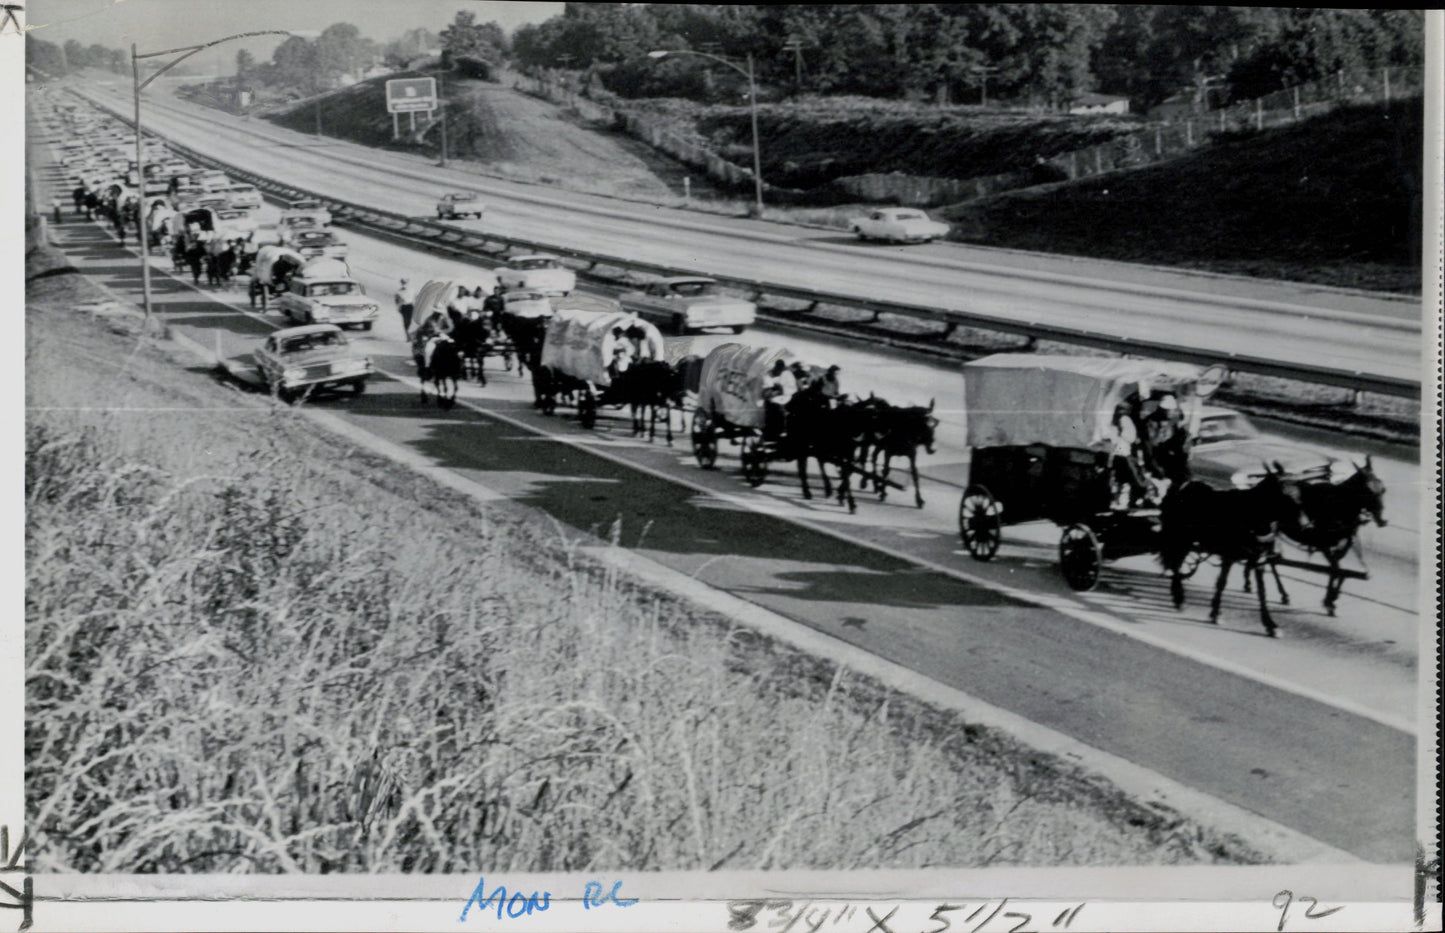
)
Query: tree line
[
  {"x": 1044, "y": 54},
  {"x": 1038, "y": 53}
]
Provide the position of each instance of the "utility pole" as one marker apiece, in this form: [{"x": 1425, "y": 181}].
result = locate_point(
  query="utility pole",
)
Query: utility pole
[
  {"x": 795, "y": 45},
  {"x": 441, "y": 103}
]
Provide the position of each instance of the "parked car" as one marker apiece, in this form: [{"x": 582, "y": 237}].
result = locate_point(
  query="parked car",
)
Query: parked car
[
  {"x": 460, "y": 204},
  {"x": 312, "y": 297},
  {"x": 246, "y": 197},
  {"x": 898, "y": 224},
  {"x": 538, "y": 273},
  {"x": 313, "y": 243},
  {"x": 687, "y": 303},
  {"x": 528, "y": 304},
  {"x": 313, "y": 358},
  {"x": 1229, "y": 452},
  {"x": 299, "y": 219},
  {"x": 309, "y": 206}
]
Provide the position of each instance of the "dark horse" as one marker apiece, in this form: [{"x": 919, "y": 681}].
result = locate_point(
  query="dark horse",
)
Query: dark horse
[
  {"x": 1238, "y": 525},
  {"x": 650, "y": 385},
  {"x": 1329, "y": 516},
  {"x": 828, "y": 434},
  {"x": 445, "y": 371},
  {"x": 899, "y": 432}
]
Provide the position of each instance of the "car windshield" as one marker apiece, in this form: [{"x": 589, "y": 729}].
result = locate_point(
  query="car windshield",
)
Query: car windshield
[
  {"x": 535, "y": 264},
  {"x": 464, "y": 197},
  {"x": 695, "y": 289},
  {"x": 312, "y": 341},
  {"x": 524, "y": 297},
  {"x": 1226, "y": 427},
  {"x": 909, "y": 215},
  {"x": 333, "y": 288}
]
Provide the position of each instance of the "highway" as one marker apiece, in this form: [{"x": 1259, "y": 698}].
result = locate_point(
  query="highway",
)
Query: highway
[
  {"x": 1373, "y": 334},
  {"x": 1314, "y": 731}
]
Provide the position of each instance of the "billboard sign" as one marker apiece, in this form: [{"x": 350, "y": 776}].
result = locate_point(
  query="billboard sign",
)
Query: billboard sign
[{"x": 407, "y": 95}]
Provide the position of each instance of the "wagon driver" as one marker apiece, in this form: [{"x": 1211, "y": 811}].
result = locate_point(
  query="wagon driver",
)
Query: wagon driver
[
  {"x": 1123, "y": 441},
  {"x": 778, "y": 389},
  {"x": 1166, "y": 441}
]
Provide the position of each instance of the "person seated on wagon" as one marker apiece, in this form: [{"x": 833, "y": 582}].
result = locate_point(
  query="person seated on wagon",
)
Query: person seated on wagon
[
  {"x": 1166, "y": 442},
  {"x": 621, "y": 360},
  {"x": 494, "y": 305},
  {"x": 1123, "y": 444},
  {"x": 778, "y": 390},
  {"x": 831, "y": 388}
]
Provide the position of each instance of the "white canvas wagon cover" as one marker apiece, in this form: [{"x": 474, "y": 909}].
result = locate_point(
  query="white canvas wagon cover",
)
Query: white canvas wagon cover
[
  {"x": 732, "y": 382},
  {"x": 1063, "y": 401},
  {"x": 437, "y": 294},
  {"x": 580, "y": 343},
  {"x": 268, "y": 256}
]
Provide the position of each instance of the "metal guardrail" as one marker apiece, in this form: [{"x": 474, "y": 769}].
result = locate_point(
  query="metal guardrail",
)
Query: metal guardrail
[{"x": 465, "y": 241}]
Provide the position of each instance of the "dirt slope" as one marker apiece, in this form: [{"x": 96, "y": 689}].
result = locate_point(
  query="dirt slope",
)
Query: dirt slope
[{"x": 505, "y": 132}]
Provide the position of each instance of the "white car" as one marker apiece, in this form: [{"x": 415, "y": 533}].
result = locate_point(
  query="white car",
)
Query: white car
[
  {"x": 325, "y": 299},
  {"x": 308, "y": 206},
  {"x": 537, "y": 273},
  {"x": 460, "y": 204},
  {"x": 313, "y": 358},
  {"x": 244, "y": 197},
  {"x": 898, "y": 224},
  {"x": 687, "y": 303}
]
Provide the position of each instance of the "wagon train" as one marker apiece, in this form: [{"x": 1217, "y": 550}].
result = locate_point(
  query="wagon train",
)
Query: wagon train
[
  {"x": 589, "y": 357},
  {"x": 476, "y": 332},
  {"x": 1048, "y": 441}
]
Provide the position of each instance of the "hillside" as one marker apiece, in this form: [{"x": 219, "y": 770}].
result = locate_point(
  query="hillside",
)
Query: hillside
[
  {"x": 503, "y": 132},
  {"x": 1333, "y": 200}
]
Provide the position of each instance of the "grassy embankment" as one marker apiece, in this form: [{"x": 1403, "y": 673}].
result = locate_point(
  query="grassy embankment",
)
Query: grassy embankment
[
  {"x": 252, "y": 648},
  {"x": 1334, "y": 200}
]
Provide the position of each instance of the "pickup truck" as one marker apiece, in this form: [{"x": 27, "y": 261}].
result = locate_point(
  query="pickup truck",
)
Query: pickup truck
[{"x": 460, "y": 204}]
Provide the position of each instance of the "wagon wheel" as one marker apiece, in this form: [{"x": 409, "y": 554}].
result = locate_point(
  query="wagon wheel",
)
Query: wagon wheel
[
  {"x": 978, "y": 523},
  {"x": 1080, "y": 557},
  {"x": 587, "y": 409},
  {"x": 704, "y": 439},
  {"x": 755, "y": 461}
]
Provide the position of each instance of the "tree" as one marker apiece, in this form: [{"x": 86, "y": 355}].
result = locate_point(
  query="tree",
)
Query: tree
[
  {"x": 295, "y": 65},
  {"x": 465, "y": 37},
  {"x": 400, "y": 53},
  {"x": 45, "y": 57},
  {"x": 245, "y": 63},
  {"x": 341, "y": 50}
]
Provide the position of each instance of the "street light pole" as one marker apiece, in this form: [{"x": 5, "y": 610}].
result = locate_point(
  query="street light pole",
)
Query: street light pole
[
  {"x": 753, "y": 106},
  {"x": 186, "y": 52},
  {"x": 441, "y": 105}
]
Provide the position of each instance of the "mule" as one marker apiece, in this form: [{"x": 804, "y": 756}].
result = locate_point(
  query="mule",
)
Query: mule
[
  {"x": 649, "y": 386},
  {"x": 829, "y": 435},
  {"x": 901, "y": 432},
  {"x": 444, "y": 371},
  {"x": 1330, "y": 515},
  {"x": 1236, "y": 525}
]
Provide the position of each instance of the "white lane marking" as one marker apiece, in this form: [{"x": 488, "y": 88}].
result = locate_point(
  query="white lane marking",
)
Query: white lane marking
[{"x": 1058, "y": 604}]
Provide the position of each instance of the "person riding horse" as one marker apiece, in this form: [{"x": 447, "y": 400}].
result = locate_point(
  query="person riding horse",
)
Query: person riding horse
[{"x": 437, "y": 327}]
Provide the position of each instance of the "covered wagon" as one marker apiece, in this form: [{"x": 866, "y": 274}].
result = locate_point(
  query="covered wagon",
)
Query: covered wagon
[
  {"x": 1049, "y": 437},
  {"x": 583, "y": 352}
]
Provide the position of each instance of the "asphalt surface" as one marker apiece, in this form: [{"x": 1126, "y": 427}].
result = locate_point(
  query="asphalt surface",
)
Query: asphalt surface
[{"x": 1344, "y": 779}]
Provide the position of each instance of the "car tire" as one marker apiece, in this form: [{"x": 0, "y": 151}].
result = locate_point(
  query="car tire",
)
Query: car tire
[
  {"x": 738, "y": 328},
  {"x": 679, "y": 324},
  {"x": 358, "y": 387},
  {"x": 366, "y": 325}
]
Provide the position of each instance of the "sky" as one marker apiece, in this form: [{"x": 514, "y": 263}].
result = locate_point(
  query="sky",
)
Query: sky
[{"x": 154, "y": 25}]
